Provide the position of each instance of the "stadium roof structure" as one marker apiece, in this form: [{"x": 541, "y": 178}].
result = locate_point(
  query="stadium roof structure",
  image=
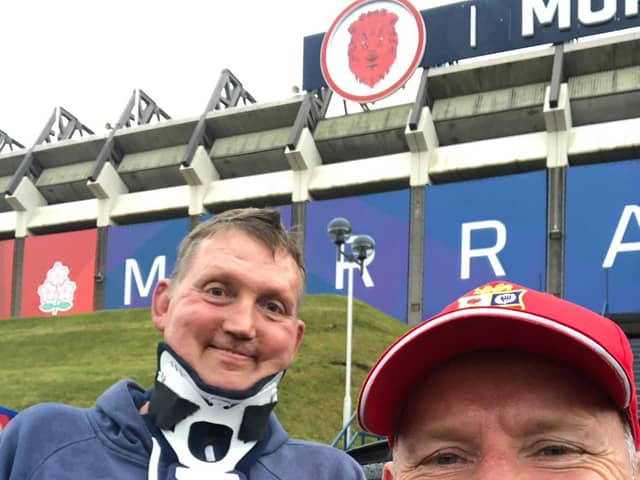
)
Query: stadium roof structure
[{"x": 526, "y": 110}]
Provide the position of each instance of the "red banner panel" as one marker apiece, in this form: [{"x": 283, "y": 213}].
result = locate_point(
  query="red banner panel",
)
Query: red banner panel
[
  {"x": 58, "y": 273},
  {"x": 6, "y": 277}
]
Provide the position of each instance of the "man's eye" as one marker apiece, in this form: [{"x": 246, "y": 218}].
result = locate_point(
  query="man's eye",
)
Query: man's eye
[
  {"x": 216, "y": 291},
  {"x": 274, "y": 307},
  {"x": 446, "y": 459},
  {"x": 443, "y": 458},
  {"x": 556, "y": 450}
]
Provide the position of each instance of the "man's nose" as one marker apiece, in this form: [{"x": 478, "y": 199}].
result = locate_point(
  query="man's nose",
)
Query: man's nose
[{"x": 240, "y": 321}]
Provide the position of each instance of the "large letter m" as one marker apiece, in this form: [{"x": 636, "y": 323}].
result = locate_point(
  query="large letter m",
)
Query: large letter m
[{"x": 131, "y": 269}]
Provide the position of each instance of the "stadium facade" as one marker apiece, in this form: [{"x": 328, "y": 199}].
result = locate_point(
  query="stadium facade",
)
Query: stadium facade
[{"x": 523, "y": 166}]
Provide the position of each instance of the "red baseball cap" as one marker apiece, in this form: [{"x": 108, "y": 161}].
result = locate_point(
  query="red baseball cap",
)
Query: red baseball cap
[{"x": 494, "y": 316}]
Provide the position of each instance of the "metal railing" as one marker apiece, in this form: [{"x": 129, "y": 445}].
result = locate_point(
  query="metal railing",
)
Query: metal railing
[{"x": 345, "y": 441}]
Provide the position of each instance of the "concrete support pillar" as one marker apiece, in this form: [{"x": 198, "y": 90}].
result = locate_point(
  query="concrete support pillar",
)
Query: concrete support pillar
[
  {"x": 423, "y": 143},
  {"x": 298, "y": 221},
  {"x": 198, "y": 175},
  {"x": 556, "y": 194},
  {"x": 24, "y": 201},
  {"x": 99, "y": 275},
  {"x": 300, "y": 192},
  {"x": 16, "y": 290},
  {"x": 194, "y": 221},
  {"x": 302, "y": 160},
  {"x": 416, "y": 255},
  {"x": 106, "y": 188},
  {"x": 558, "y": 122}
]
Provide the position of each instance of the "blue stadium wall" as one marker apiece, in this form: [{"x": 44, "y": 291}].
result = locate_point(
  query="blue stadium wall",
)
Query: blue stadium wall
[{"x": 474, "y": 231}]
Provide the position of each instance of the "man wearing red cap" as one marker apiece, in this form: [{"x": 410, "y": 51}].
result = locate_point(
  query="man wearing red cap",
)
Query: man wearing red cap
[{"x": 506, "y": 383}]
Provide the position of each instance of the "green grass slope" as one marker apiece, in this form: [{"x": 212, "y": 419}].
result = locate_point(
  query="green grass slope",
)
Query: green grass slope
[{"x": 74, "y": 358}]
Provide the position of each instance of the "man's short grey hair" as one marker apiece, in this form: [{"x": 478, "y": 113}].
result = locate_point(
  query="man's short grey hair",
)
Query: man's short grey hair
[{"x": 631, "y": 445}]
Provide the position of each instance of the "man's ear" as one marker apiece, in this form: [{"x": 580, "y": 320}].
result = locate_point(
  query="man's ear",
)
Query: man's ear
[
  {"x": 299, "y": 334},
  {"x": 387, "y": 471},
  {"x": 160, "y": 304}
]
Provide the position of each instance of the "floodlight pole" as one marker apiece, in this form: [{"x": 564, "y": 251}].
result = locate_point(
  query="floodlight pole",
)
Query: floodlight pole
[
  {"x": 362, "y": 246},
  {"x": 346, "y": 411}
]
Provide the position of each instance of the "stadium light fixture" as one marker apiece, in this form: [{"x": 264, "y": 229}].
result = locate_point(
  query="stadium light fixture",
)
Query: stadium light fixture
[{"x": 362, "y": 247}]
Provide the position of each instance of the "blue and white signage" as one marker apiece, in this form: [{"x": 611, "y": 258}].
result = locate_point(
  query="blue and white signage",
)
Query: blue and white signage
[
  {"x": 137, "y": 257},
  {"x": 382, "y": 283},
  {"x": 483, "y": 230},
  {"x": 481, "y": 27},
  {"x": 602, "y": 257}
]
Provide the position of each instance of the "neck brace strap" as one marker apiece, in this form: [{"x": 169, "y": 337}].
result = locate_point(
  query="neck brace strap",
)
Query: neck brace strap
[{"x": 181, "y": 404}]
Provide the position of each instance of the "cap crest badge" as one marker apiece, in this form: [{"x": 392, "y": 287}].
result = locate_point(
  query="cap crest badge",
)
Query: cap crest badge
[{"x": 499, "y": 295}]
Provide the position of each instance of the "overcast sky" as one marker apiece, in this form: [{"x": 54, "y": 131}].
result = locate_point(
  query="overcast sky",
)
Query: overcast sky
[{"x": 87, "y": 56}]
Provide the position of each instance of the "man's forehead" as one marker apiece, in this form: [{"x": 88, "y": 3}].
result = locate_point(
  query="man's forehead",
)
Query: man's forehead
[
  {"x": 241, "y": 244},
  {"x": 228, "y": 250},
  {"x": 218, "y": 253},
  {"x": 509, "y": 363},
  {"x": 501, "y": 361},
  {"x": 502, "y": 379},
  {"x": 466, "y": 397}
]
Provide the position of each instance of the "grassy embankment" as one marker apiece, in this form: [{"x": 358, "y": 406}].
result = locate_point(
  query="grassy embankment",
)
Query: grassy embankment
[{"x": 73, "y": 358}]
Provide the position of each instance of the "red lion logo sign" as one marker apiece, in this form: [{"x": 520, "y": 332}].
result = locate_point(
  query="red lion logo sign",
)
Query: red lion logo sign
[
  {"x": 372, "y": 49},
  {"x": 373, "y": 46}
]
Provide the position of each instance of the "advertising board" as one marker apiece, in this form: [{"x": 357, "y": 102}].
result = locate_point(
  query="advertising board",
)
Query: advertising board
[
  {"x": 382, "y": 283},
  {"x": 58, "y": 273},
  {"x": 483, "y": 230},
  {"x": 602, "y": 247},
  {"x": 137, "y": 257}
]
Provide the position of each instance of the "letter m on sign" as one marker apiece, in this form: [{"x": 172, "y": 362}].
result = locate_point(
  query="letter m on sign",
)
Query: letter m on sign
[{"x": 132, "y": 271}]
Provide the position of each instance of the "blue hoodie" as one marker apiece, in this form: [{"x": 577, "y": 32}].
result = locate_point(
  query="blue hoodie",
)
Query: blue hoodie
[{"x": 111, "y": 441}]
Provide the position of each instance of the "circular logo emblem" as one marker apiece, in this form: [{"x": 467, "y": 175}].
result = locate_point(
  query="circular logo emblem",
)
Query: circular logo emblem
[
  {"x": 506, "y": 298},
  {"x": 372, "y": 49}
]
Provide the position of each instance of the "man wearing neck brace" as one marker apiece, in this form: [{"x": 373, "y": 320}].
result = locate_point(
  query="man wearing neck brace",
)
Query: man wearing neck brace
[{"x": 229, "y": 320}]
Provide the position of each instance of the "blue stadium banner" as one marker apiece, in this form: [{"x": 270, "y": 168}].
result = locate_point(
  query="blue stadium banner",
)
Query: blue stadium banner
[
  {"x": 483, "y": 230},
  {"x": 383, "y": 280},
  {"x": 602, "y": 246},
  {"x": 137, "y": 257},
  {"x": 480, "y": 27}
]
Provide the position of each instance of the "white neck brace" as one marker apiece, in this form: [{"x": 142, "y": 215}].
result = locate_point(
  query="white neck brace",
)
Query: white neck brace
[{"x": 245, "y": 413}]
